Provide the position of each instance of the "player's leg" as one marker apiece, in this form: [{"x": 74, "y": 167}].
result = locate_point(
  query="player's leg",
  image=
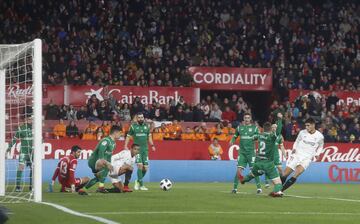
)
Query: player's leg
[
  {"x": 29, "y": 164},
  {"x": 127, "y": 181},
  {"x": 267, "y": 182},
  {"x": 272, "y": 173},
  {"x": 298, "y": 171},
  {"x": 251, "y": 161},
  {"x": 100, "y": 172},
  {"x": 241, "y": 164},
  {"x": 80, "y": 183},
  {"x": 291, "y": 164},
  {"x": 20, "y": 171},
  {"x": 255, "y": 171},
  {"x": 145, "y": 160}
]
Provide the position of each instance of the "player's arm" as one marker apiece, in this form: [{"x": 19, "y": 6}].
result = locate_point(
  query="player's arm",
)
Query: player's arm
[
  {"x": 129, "y": 136},
  {"x": 236, "y": 135},
  {"x": 14, "y": 139},
  {"x": 151, "y": 142},
  {"x": 282, "y": 147},
  {"x": 319, "y": 148},
  {"x": 56, "y": 174},
  {"x": 279, "y": 124}
]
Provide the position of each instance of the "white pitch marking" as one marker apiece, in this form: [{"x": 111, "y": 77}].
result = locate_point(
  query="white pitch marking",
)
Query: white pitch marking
[
  {"x": 72, "y": 212},
  {"x": 221, "y": 212}
]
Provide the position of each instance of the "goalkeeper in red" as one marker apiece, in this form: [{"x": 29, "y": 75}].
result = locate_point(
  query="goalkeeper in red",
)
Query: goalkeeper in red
[
  {"x": 24, "y": 135},
  {"x": 246, "y": 156},
  {"x": 140, "y": 132},
  {"x": 264, "y": 163},
  {"x": 65, "y": 172},
  {"x": 100, "y": 160}
]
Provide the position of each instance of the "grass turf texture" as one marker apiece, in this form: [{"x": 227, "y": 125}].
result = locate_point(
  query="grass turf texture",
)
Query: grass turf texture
[{"x": 199, "y": 203}]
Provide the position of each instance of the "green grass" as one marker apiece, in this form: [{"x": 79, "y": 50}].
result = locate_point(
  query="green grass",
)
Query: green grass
[{"x": 200, "y": 203}]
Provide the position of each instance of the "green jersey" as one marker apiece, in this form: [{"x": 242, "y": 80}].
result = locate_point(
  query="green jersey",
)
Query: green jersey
[
  {"x": 140, "y": 134},
  {"x": 24, "y": 134},
  {"x": 267, "y": 144},
  {"x": 103, "y": 150},
  {"x": 278, "y": 141},
  {"x": 247, "y": 134}
]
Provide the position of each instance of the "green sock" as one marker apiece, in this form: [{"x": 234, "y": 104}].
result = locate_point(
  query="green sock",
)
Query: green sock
[
  {"x": 18, "y": 177},
  {"x": 143, "y": 175},
  {"x": 92, "y": 182},
  {"x": 248, "y": 178},
  {"x": 277, "y": 187},
  {"x": 257, "y": 181},
  {"x": 140, "y": 176},
  {"x": 31, "y": 175},
  {"x": 236, "y": 181}
]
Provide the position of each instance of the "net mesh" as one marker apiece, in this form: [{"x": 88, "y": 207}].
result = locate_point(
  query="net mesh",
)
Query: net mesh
[{"x": 16, "y": 61}]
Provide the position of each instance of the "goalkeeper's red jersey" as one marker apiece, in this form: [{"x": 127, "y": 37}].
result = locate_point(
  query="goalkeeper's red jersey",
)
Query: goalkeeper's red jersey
[{"x": 65, "y": 170}]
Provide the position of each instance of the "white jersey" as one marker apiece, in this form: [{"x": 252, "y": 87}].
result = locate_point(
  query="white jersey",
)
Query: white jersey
[
  {"x": 120, "y": 159},
  {"x": 308, "y": 145}
]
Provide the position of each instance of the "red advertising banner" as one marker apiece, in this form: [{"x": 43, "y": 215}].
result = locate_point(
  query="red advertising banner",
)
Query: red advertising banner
[
  {"x": 228, "y": 78},
  {"x": 17, "y": 94},
  {"x": 78, "y": 95},
  {"x": 345, "y": 98},
  {"x": 188, "y": 150}
]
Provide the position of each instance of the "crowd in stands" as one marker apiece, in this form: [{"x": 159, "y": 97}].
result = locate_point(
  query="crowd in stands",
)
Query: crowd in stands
[
  {"x": 309, "y": 45},
  {"x": 337, "y": 121}
]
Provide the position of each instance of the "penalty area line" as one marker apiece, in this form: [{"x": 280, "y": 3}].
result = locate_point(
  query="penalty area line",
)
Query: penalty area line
[
  {"x": 303, "y": 197},
  {"x": 222, "y": 212},
  {"x": 85, "y": 215}
]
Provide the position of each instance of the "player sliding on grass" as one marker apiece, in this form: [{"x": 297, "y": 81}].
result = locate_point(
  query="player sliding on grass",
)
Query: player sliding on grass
[
  {"x": 123, "y": 163},
  {"x": 140, "y": 132},
  {"x": 277, "y": 161},
  {"x": 65, "y": 171},
  {"x": 246, "y": 156},
  {"x": 308, "y": 144},
  {"x": 100, "y": 159},
  {"x": 24, "y": 134},
  {"x": 264, "y": 162}
]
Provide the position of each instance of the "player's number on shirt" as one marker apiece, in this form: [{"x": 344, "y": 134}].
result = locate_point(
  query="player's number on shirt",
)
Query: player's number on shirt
[
  {"x": 63, "y": 167},
  {"x": 262, "y": 149}
]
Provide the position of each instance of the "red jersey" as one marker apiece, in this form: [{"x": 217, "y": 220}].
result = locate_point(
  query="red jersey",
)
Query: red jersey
[{"x": 65, "y": 170}]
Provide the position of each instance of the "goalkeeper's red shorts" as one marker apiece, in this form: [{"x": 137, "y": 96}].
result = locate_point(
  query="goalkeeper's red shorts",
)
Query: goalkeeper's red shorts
[{"x": 67, "y": 183}]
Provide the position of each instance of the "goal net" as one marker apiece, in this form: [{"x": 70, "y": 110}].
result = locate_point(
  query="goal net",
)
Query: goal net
[{"x": 20, "y": 122}]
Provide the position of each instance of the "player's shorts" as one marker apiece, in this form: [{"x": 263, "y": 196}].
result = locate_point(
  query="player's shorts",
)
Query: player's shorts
[
  {"x": 244, "y": 159},
  {"x": 142, "y": 157},
  {"x": 98, "y": 173},
  {"x": 25, "y": 159},
  {"x": 296, "y": 160},
  {"x": 265, "y": 167},
  {"x": 66, "y": 183}
]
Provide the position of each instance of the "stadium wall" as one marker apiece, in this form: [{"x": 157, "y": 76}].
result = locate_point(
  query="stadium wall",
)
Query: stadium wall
[{"x": 217, "y": 171}]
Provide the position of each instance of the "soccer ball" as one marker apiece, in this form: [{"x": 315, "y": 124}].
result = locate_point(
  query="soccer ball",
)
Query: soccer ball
[{"x": 165, "y": 184}]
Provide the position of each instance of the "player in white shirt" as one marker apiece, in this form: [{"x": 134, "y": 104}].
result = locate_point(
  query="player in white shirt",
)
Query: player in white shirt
[
  {"x": 309, "y": 144},
  {"x": 123, "y": 163}
]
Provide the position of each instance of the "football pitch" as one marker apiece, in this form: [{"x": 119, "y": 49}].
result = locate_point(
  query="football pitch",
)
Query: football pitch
[{"x": 200, "y": 203}]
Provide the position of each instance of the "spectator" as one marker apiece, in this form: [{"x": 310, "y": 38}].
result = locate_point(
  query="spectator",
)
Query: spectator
[
  {"x": 201, "y": 132},
  {"x": 82, "y": 113},
  {"x": 188, "y": 115},
  {"x": 59, "y": 130},
  {"x": 106, "y": 126},
  {"x": 157, "y": 113},
  {"x": 88, "y": 135},
  {"x": 179, "y": 114},
  {"x": 215, "y": 150},
  {"x": 229, "y": 131},
  {"x": 72, "y": 130},
  {"x": 92, "y": 127},
  {"x": 343, "y": 134},
  {"x": 218, "y": 133},
  {"x": 52, "y": 111},
  {"x": 125, "y": 112},
  {"x": 215, "y": 113},
  {"x": 99, "y": 134},
  {"x": 175, "y": 130},
  {"x": 71, "y": 113},
  {"x": 165, "y": 131},
  {"x": 198, "y": 113},
  {"x": 63, "y": 112},
  {"x": 228, "y": 115},
  {"x": 188, "y": 135}
]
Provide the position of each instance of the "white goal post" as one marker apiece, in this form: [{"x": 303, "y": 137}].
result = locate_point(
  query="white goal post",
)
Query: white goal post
[{"x": 21, "y": 64}]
